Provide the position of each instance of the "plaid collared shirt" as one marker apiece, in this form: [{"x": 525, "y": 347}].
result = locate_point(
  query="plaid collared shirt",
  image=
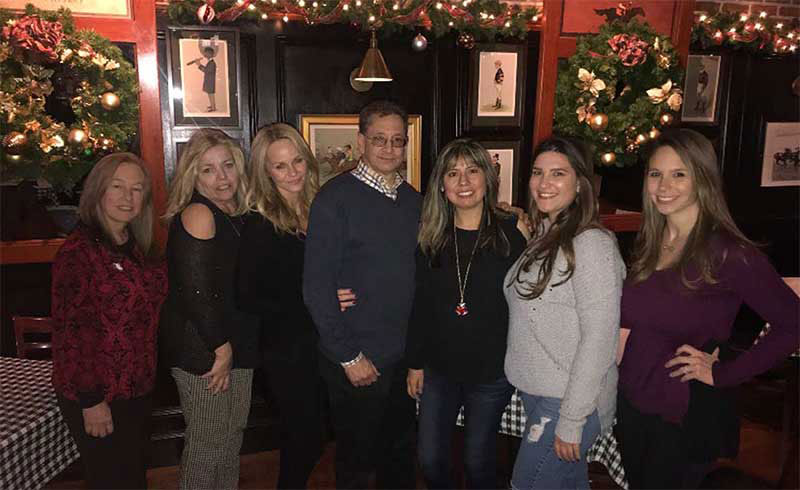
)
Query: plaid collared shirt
[{"x": 368, "y": 176}]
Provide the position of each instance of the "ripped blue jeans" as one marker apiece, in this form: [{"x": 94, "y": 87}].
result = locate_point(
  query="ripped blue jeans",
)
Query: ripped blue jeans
[{"x": 537, "y": 465}]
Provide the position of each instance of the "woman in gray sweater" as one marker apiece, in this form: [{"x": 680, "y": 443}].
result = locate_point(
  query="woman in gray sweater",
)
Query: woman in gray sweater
[{"x": 563, "y": 296}]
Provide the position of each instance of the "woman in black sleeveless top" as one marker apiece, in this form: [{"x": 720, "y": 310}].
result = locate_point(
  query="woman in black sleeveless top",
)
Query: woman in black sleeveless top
[{"x": 210, "y": 345}]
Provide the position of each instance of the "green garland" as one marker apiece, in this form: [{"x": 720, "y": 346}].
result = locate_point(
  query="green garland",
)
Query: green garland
[
  {"x": 482, "y": 19},
  {"x": 756, "y": 33},
  {"x": 619, "y": 88},
  {"x": 46, "y": 62}
]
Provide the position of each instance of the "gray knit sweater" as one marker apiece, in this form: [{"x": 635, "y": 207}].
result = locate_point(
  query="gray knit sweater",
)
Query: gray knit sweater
[{"x": 563, "y": 343}]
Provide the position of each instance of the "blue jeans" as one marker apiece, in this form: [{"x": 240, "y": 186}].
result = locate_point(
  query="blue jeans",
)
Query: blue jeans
[
  {"x": 537, "y": 464},
  {"x": 483, "y": 407}
]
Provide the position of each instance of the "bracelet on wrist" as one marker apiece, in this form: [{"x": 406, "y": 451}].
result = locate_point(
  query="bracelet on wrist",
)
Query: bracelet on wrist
[{"x": 353, "y": 362}]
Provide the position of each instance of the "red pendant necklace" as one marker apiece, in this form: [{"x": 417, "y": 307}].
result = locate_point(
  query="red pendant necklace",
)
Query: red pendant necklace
[{"x": 461, "y": 307}]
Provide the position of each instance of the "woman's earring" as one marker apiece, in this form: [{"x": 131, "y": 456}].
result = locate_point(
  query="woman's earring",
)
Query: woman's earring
[{"x": 441, "y": 189}]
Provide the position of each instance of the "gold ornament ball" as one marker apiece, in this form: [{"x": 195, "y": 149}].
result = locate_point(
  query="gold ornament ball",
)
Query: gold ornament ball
[
  {"x": 109, "y": 101},
  {"x": 608, "y": 158},
  {"x": 103, "y": 144},
  {"x": 667, "y": 119},
  {"x": 641, "y": 139},
  {"x": 76, "y": 136},
  {"x": 654, "y": 133},
  {"x": 14, "y": 142},
  {"x": 598, "y": 122}
]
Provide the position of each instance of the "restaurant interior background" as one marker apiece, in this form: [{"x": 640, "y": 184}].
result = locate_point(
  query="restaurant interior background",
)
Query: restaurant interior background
[{"x": 288, "y": 69}]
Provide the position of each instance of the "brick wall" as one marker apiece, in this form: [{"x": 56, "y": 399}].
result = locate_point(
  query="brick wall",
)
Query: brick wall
[{"x": 785, "y": 10}]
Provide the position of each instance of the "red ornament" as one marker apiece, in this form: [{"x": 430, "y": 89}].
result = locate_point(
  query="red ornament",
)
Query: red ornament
[
  {"x": 205, "y": 13},
  {"x": 461, "y": 309}
]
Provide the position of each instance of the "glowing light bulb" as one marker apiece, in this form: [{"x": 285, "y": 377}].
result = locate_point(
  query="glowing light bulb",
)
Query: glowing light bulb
[
  {"x": 286, "y": 18},
  {"x": 315, "y": 5},
  {"x": 744, "y": 17},
  {"x": 758, "y": 26},
  {"x": 779, "y": 25},
  {"x": 251, "y": 7},
  {"x": 450, "y": 24},
  {"x": 790, "y": 35},
  {"x": 395, "y": 7},
  {"x": 371, "y": 18},
  {"x": 763, "y": 14},
  {"x": 264, "y": 16},
  {"x": 302, "y": 3},
  {"x": 438, "y": 5},
  {"x": 732, "y": 30},
  {"x": 535, "y": 18},
  {"x": 703, "y": 18},
  {"x": 358, "y": 3},
  {"x": 239, "y": 2},
  {"x": 507, "y": 24},
  {"x": 346, "y": 7}
]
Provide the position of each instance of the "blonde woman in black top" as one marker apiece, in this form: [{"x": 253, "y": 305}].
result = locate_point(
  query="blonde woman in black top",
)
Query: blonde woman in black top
[{"x": 284, "y": 178}]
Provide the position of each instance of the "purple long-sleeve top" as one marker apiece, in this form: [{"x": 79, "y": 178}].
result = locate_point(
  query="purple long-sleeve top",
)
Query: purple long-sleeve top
[{"x": 662, "y": 314}]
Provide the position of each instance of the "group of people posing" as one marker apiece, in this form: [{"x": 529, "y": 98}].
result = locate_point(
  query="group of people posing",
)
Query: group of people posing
[{"x": 367, "y": 291}]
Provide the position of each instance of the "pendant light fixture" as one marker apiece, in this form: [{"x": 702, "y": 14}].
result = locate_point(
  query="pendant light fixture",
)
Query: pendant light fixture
[{"x": 373, "y": 68}]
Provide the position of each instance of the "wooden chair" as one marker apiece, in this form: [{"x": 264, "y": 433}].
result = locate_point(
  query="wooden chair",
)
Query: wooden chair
[{"x": 25, "y": 325}]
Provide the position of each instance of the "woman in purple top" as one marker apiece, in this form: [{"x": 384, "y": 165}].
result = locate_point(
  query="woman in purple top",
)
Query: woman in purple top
[{"x": 692, "y": 269}]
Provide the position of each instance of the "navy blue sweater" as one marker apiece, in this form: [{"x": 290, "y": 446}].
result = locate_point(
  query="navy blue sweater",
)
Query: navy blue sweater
[{"x": 360, "y": 239}]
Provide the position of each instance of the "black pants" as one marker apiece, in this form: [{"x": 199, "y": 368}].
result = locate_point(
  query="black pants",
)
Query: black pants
[
  {"x": 374, "y": 427},
  {"x": 119, "y": 459},
  {"x": 654, "y": 452},
  {"x": 296, "y": 388}
]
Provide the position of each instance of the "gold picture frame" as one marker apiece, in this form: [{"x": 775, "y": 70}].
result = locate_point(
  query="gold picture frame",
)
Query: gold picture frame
[{"x": 332, "y": 138}]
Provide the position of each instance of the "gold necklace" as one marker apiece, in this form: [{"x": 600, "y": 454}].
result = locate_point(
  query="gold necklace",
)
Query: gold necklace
[{"x": 461, "y": 307}]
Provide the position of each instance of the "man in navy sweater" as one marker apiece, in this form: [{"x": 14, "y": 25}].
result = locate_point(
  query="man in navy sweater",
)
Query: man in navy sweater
[{"x": 362, "y": 236}]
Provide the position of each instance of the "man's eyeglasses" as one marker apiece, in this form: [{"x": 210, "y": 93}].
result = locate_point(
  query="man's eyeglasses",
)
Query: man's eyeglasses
[{"x": 381, "y": 141}]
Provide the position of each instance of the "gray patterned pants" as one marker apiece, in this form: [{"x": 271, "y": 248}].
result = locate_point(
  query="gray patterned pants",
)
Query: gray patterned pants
[{"x": 214, "y": 429}]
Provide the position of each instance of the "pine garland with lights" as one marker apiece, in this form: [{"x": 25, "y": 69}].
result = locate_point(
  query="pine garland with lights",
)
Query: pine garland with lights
[
  {"x": 67, "y": 97},
  {"x": 482, "y": 19},
  {"x": 618, "y": 90},
  {"x": 757, "y": 33}
]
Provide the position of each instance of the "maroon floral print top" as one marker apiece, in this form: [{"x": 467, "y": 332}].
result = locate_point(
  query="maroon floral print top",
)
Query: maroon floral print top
[{"x": 105, "y": 307}]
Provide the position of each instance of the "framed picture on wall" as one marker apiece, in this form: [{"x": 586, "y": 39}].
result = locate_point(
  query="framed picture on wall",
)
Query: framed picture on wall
[
  {"x": 505, "y": 157},
  {"x": 204, "y": 77},
  {"x": 701, "y": 87},
  {"x": 333, "y": 139},
  {"x": 781, "y": 161},
  {"x": 497, "y": 81}
]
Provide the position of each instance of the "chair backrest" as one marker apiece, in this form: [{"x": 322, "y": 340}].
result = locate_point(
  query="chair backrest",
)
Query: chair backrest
[{"x": 24, "y": 325}]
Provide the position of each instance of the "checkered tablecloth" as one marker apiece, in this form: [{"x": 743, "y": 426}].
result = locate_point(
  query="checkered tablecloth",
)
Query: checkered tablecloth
[
  {"x": 35, "y": 444},
  {"x": 604, "y": 450}
]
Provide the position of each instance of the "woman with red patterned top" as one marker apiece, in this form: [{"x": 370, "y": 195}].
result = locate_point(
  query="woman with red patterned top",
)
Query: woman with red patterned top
[{"x": 108, "y": 288}]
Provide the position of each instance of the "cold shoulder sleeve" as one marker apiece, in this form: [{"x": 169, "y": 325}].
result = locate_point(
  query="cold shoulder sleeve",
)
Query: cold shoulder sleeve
[
  {"x": 748, "y": 273},
  {"x": 196, "y": 266}
]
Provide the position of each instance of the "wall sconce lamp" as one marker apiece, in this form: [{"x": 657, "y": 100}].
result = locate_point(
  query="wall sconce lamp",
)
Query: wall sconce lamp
[{"x": 373, "y": 68}]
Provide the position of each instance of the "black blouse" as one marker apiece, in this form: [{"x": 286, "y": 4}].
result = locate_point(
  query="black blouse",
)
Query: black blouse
[
  {"x": 270, "y": 284},
  {"x": 200, "y": 313},
  {"x": 469, "y": 348}
]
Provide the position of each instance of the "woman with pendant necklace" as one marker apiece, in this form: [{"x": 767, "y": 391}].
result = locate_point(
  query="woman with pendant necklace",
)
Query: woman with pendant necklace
[
  {"x": 563, "y": 298},
  {"x": 211, "y": 345},
  {"x": 457, "y": 331}
]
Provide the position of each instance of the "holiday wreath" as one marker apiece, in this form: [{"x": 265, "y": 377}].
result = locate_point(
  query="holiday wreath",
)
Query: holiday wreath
[
  {"x": 67, "y": 97},
  {"x": 619, "y": 88}
]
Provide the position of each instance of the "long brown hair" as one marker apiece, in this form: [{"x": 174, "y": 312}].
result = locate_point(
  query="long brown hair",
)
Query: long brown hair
[
  {"x": 438, "y": 213},
  {"x": 183, "y": 182},
  {"x": 697, "y": 153},
  {"x": 582, "y": 214},
  {"x": 94, "y": 188},
  {"x": 263, "y": 196}
]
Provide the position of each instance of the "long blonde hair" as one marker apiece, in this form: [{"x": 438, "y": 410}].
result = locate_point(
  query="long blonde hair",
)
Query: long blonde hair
[
  {"x": 264, "y": 196},
  {"x": 94, "y": 188},
  {"x": 582, "y": 214},
  {"x": 697, "y": 153},
  {"x": 183, "y": 182},
  {"x": 438, "y": 214}
]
